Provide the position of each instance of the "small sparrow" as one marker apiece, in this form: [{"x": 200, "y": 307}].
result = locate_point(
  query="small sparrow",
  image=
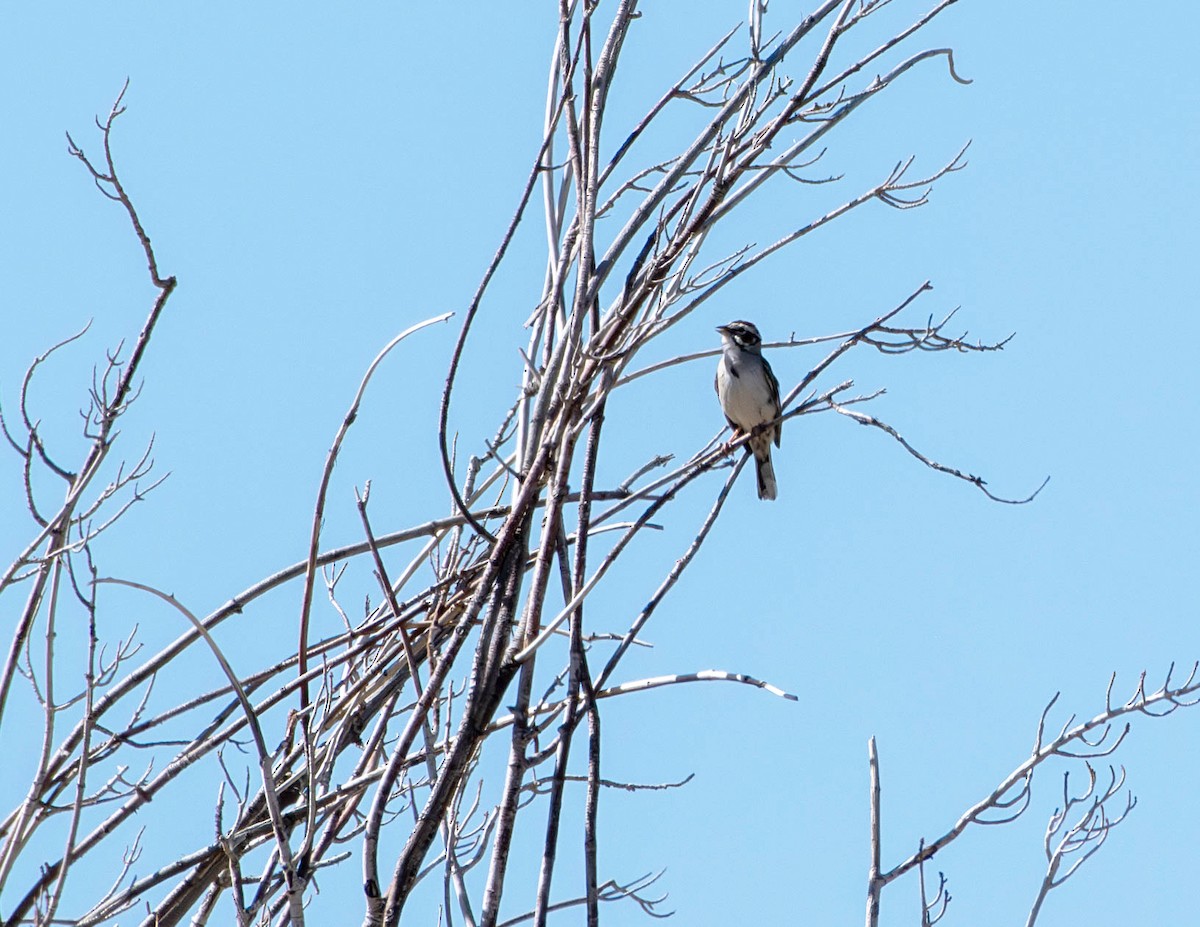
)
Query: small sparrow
[{"x": 749, "y": 395}]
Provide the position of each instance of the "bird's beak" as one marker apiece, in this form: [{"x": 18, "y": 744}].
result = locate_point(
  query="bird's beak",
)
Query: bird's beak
[{"x": 722, "y": 329}]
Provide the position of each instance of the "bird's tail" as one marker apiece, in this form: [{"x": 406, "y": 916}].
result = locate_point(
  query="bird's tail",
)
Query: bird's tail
[{"x": 766, "y": 472}]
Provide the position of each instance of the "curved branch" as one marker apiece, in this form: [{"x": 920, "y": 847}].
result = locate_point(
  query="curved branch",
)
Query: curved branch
[{"x": 326, "y": 475}]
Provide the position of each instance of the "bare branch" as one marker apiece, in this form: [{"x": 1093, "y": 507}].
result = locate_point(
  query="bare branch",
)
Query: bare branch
[
  {"x": 1014, "y": 790},
  {"x": 326, "y": 475},
  {"x": 978, "y": 482}
]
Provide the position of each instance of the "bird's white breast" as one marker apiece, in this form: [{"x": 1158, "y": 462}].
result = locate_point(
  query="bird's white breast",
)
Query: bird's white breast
[{"x": 746, "y": 399}]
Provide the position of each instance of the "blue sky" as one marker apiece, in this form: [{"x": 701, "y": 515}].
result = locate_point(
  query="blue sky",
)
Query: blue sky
[{"x": 319, "y": 178}]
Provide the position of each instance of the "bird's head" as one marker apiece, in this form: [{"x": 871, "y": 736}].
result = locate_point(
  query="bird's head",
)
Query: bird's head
[{"x": 743, "y": 334}]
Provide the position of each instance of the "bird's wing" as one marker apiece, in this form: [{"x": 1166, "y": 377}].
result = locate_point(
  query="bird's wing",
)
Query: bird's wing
[{"x": 773, "y": 386}]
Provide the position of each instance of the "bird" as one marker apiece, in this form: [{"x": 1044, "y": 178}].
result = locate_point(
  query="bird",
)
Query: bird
[{"x": 749, "y": 395}]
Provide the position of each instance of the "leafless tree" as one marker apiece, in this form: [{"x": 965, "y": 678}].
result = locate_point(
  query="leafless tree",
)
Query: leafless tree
[{"x": 452, "y": 708}]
